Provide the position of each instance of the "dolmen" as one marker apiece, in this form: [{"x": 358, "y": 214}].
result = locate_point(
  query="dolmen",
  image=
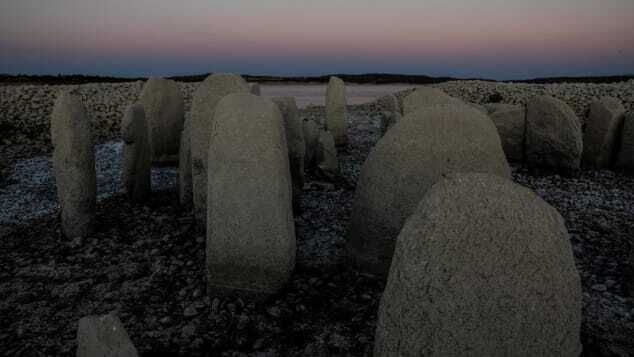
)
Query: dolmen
[
  {"x": 164, "y": 108},
  {"x": 136, "y": 174},
  {"x": 603, "y": 132},
  {"x": 103, "y": 336},
  {"x": 482, "y": 267},
  {"x": 553, "y": 135},
  {"x": 74, "y": 165},
  {"x": 420, "y": 149},
  {"x": 250, "y": 228},
  {"x": 336, "y": 112},
  {"x": 204, "y": 101}
]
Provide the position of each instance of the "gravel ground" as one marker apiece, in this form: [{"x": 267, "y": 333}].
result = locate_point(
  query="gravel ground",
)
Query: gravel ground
[
  {"x": 29, "y": 192},
  {"x": 145, "y": 263}
]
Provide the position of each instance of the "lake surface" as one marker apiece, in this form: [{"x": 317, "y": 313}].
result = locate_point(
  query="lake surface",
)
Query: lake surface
[{"x": 315, "y": 94}]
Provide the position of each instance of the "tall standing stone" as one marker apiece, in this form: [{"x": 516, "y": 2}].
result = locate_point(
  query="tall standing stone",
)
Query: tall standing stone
[
  {"x": 603, "y": 131},
  {"x": 295, "y": 139},
  {"x": 553, "y": 135},
  {"x": 336, "y": 111},
  {"x": 74, "y": 165},
  {"x": 185, "y": 166},
  {"x": 204, "y": 101},
  {"x": 625, "y": 159},
  {"x": 483, "y": 267},
  {"x": 425, "y": 97},
  {"x": 164, "y": 108},
  {"x": 326, "y": 156},
  {"x": 311, "y": 138},
  {"x": 136, "y": 175},
  {"x": 250, "y": 227},
  {"x": 254, "y": 88},
  {"x": 511, "y": 125},
  {"x": 422, "y": 148},
  {"x": 103, "y": 336}
]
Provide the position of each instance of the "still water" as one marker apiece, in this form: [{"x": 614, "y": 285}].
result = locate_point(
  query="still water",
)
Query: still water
[{"x": 314, "y": 94}]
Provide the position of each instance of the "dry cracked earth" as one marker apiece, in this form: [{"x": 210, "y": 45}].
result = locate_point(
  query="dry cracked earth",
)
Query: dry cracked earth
[{"x": 145, "y": 263}]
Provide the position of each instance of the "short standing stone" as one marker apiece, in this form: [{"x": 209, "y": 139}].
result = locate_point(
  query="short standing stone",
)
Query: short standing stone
[
  {"x": 250, "y": 227},
  {"x": 336, "y": 112},
  {"x": 204, "y": 101},
  {"x": 425, "y": 97},
  {"x": 164, "y": 108},
  {"x": 553, "y": 135},
  {"x": 511, "y": 125},
  {"x": 295, "y": 139},
  {"x": 483, "y": 267},
  {"x": 254, "y": 88},
  {"x": 103, "y": 336},
  {"x": 389, "y": 103},
  {"x": 326, "y": 156},
  {"x": 422, "y": 148},
  {"x": 388, "y": 120},
  {"x": 625, "y": 160},
  {"x": 311, "y": 139},
  {"x": 185, "y": 166},
  {"x": 603, "y": 131},
  {"x": 136, "y": 175},
  {"x": 74, "y": 165}
]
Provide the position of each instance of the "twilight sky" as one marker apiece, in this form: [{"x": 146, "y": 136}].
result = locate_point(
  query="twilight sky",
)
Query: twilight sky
[{"x": 501, "y": 39}]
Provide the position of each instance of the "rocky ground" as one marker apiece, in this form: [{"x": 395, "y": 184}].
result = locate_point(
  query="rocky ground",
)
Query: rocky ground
[{"x": 145, "y": 263}]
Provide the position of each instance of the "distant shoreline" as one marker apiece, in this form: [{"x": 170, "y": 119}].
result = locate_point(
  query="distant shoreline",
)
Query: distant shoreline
[{"x": 371, "y": 78}]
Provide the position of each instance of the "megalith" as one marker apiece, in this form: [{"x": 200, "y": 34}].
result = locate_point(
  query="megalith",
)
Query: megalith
[
  {"x": 483, "y": 267},
  {"x": 389, "y": 103},
  {"x": 164, "y": 108},
  {"x": 625, "y": 159},
  {"x": 511, "y": 125},
  {"x": 603, "y": 131},
  {"x": 326, "y": 156},
  {"x": 420, "y": 149},
  {"x": 336, "y": 112},
  {"x": 74, "y": 165},
  {"x": 294, "y": 130},
  {"x": 553, "y": 135},
  {"x": 204, "y": 101},
  {"x": 427, "y": 96},
  {"x": 185, "y": 166},
  {"x": 254, "y": 88},
  {"x": 136, "y": 173},
  {"x": 250, "y": 227},
  {"x": 311, "y": 139}
]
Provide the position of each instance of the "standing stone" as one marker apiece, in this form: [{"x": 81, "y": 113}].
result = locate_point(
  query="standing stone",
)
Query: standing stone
[
  {"x": 254, "y": 88},
  {"x": 422, "y": 148},
  {"x": 625, "y": 160},
  {"x": 164, "y": 110},
  {"x": 250, "y": 227},
  {"x": 553, "y": 135},
  {"x": 295, "y": 139},
  {"x": 483, "y": 267},
  {"x": 603, "y": 130},
  {"x": 336, "y": 110},
  {"x": 311, "y": 138},
  {"x": 389, "y": 103},
  {"x": 103, "y": 336},
  {"x": 511, "y": 125},
  {"x": 204, "y": 101},
  {"x": 388, "y": 120},
  {"x": 425, "y": 97},
  {"x": 74, "y": 165},
  {"x": 136, "y": 175},
  {"x": 326, "y": 156},
  {"x": 492, "y": 108},
  {"x": 185, "y": 166}
]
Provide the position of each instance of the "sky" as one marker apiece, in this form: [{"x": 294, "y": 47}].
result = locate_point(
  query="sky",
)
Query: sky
[{"x": 497, "y": 39}]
